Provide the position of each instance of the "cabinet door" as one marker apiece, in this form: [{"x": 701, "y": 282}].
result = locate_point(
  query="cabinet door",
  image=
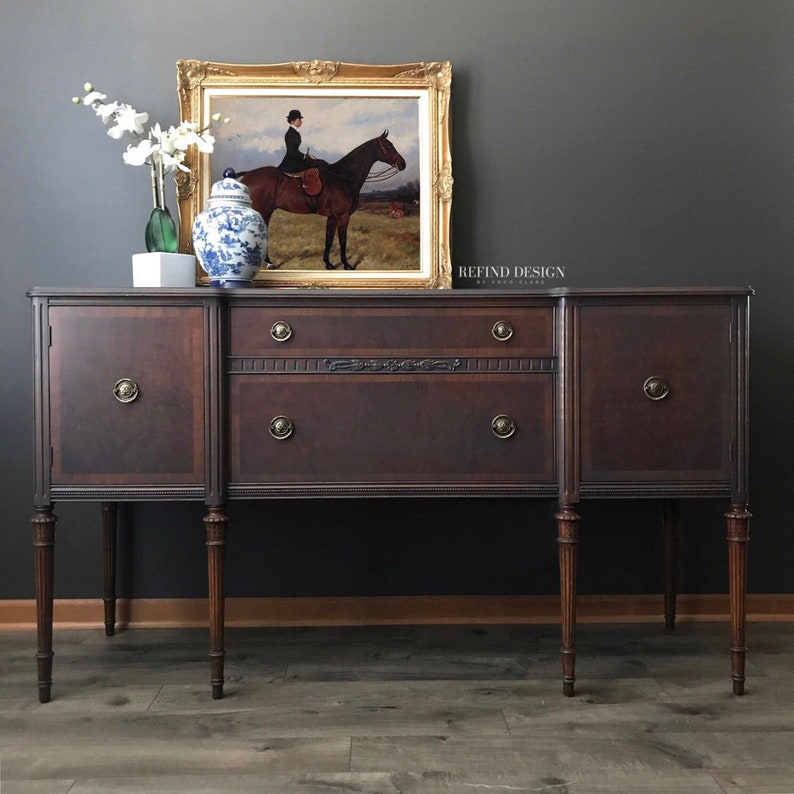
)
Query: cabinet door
[
  {"x": 103, "y": 432},
  {"x": 657, "y": 395}
]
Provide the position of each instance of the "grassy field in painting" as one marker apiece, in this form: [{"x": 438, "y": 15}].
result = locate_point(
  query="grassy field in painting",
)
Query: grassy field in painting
[{"x": 374, "y": 240}]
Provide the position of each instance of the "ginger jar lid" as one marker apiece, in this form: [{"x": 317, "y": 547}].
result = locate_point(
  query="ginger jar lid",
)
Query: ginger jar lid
[{"x": 229, "y": 191}]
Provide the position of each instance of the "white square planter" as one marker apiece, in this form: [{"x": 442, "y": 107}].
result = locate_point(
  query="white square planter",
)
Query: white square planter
[{"x": 157, "y": 269}]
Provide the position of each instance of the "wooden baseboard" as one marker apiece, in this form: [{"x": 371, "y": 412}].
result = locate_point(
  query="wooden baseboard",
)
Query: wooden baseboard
[{"x": 394, "y": 610}]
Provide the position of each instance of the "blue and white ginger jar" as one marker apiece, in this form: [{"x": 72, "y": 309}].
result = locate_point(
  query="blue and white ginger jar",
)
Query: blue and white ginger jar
[{"x": 230, "y": 236}]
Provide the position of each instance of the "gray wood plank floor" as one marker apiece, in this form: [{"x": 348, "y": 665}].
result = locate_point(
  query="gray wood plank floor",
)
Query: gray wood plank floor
[{"x": 391, "y": 710}]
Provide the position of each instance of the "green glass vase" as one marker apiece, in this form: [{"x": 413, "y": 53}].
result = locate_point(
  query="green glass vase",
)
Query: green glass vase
[{"x": 161, "y": 234}]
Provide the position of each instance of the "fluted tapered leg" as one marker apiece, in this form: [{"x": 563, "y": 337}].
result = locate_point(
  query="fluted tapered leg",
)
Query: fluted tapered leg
[
  {"x": 738, "y": 536},
  {"x": 215, "y": 522},
  {"x": 568, "y": 539},
  {"x": 43, "y": 523},
  {"x": 671, "y": 549},
  {"x": 109, "y": 519}
]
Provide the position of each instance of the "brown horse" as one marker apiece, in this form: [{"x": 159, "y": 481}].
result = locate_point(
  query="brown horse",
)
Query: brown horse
[{"x": 272, "y": 189}]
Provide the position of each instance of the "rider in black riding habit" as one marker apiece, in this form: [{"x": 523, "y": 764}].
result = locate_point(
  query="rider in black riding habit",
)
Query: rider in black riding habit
[{"x": 294, "y": 161}]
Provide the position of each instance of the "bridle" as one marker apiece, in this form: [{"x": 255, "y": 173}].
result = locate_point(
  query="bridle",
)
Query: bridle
[
  {"x": 381, "y": 176},
  {"x": 387, "y": 173}
]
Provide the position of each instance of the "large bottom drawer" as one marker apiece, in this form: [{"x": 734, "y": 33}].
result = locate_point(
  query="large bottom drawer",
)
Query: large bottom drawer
[{"x": 422, "y": 429}]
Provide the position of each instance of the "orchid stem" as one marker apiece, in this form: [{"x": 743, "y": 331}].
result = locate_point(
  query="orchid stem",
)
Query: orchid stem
[
  {"x": 161, "y": 180},
  {"x": 154, "y": 186}
]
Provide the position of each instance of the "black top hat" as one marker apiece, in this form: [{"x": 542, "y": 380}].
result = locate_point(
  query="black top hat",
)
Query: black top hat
[{"x": 294, "y": 114}]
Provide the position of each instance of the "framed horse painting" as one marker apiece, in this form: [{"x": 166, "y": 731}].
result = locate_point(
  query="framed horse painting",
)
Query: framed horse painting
[{"x": 348, "y": 164}]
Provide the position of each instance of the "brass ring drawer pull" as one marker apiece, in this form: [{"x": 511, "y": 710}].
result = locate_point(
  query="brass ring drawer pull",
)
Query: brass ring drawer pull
[
  {"x": 656, "y": 388},
  {"x": 502, "y": 331},
  {"x": 126, "y": 390},
  {"x": 281, "y": 427},
  {"x": 281, "y": 331},
  {"x": 503, "y": 426}
]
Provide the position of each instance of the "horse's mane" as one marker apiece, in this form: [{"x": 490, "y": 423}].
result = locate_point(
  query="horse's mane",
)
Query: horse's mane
[{"x": 348, "y": 159}]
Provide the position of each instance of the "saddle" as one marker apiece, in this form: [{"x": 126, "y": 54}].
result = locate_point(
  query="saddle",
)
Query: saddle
[{"x": 311, "y": 183}]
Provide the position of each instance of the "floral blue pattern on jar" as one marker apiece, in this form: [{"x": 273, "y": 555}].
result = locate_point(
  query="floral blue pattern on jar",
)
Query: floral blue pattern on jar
[{"x": 230, "y": 237}]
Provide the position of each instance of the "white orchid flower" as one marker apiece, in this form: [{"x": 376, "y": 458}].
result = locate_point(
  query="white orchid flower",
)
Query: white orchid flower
[
  {"x": 172, "y": 162},
  {"x": 130, "y": 120},
  {"x": 181, "y": 137},
  {"x": 163, "y": 137},
  {"x": 106, "y": 112},
  {"x": 205, "y": 143},
  {"x": 169, "y": 140},
  {"x": 94, "y": 96},
  {"x": 155, "y": 133},
  {"x": 185, "y": 135},
  {"x": 138, "y": 154}
]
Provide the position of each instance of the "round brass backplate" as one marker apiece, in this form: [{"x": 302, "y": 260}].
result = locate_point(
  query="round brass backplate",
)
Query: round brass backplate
[
  {"x": 281, "y": 427},
  {"x": 126, "y": 390},
  {"x": 656, "y": 388},
  {"x": 503, "y": 426},
  {"x": 281, "y": 331},
  {"x": 502, "y": 331}
]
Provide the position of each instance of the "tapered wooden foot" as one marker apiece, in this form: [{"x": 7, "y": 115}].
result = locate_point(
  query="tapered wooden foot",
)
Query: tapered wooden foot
[
  {"x": 109, "y": 521},
  {"x": 738, "y": 536},
  {"x": 217, "y": 688},
  {"x": 215, "y": 522},
  {"x": 567, "y": 540},
  {"x": 43, "y": 523},
  {"x": 670, "y": 548}
]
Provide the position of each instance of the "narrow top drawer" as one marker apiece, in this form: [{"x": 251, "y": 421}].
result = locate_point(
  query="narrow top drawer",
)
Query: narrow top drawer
[{"x": 473, "y": 331}]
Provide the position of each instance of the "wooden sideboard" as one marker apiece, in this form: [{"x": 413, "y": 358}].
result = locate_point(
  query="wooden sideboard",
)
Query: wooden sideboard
[{"x": 212, "y": 395}]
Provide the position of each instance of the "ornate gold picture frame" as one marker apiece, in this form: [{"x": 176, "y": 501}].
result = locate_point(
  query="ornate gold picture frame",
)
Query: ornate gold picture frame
[{"x": 375, "y": 213}]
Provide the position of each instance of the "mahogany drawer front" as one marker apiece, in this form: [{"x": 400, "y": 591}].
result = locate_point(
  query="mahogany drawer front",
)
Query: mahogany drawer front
[
  {"x": 400, "y": 429},
  {"x": 372, "y": 331},
  {"x": 656, "y": 393},
  {"x": 98, "y": 357}
]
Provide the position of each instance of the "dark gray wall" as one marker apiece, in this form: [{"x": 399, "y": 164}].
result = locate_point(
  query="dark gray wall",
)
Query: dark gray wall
[{"x": 632, "y": 142}]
